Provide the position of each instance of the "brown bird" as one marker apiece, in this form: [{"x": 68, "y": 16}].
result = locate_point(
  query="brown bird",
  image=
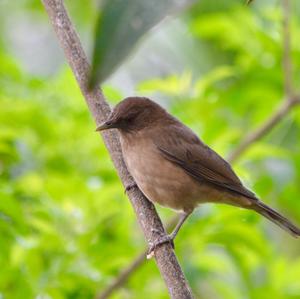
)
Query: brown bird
[{"x": 174, "y": 168}]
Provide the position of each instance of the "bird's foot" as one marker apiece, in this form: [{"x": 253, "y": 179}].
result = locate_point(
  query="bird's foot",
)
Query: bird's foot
[
  {"x": 129, "y": 187},
  {"x": 159, "y": 242}
]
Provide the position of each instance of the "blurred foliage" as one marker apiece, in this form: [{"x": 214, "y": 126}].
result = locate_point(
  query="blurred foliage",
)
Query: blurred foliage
[
  {"x": 115, "y": 40},
  {"x": 66, "y": 227}
]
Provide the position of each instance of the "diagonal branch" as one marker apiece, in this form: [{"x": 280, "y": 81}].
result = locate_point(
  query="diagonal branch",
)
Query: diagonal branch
[
  {"x": 148, "y": 219},
  {"x": 123, "y": 276},
  {"x": 264, "y": 129},
  {"x": 132, "y": 267}
]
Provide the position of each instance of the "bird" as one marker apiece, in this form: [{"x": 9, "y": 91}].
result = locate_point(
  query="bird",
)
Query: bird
[{"x": 176, "y": 169}]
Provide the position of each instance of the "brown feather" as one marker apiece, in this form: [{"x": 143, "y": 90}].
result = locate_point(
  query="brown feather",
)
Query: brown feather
[{"x": 182, "y": 147}]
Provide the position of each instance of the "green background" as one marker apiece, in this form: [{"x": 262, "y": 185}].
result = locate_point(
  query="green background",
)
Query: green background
[{"x": 66, "y": 227}]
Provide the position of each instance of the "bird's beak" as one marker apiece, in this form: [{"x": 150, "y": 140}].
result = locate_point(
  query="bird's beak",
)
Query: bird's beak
[{"x": 105, "y": 126}]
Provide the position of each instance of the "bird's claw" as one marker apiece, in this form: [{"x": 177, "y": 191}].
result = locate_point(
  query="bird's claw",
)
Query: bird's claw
[
  {"x": 157, "y": 231},
  {"x": 129, "y": 187},
  {"x": 159, "y": 242}
]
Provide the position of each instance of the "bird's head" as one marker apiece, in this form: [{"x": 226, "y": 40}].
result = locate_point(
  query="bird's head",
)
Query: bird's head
[{"x": 133, "y": 114}]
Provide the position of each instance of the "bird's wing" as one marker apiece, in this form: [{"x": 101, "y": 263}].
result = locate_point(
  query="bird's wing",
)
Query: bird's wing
[{"x": 183, "y": 148}]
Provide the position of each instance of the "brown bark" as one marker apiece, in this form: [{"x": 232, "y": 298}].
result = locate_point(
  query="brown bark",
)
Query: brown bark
[{"x": 145, "y": 211}]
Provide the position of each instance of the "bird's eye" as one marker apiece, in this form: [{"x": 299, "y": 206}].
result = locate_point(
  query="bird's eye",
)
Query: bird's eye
[{"x": 130, "y": 117}]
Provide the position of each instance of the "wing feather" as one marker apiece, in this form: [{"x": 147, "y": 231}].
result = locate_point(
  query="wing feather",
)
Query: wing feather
[{"x": 183, "y": 148}]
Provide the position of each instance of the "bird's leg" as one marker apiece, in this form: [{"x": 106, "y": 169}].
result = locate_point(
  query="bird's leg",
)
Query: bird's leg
[
  {"x": 130, "y": 186},
  {"x": 179, "y": 224},
  {"x": 169, "y": 238}
]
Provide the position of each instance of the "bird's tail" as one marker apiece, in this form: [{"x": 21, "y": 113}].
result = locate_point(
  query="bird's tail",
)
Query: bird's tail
[{"x": 275, "y": 217}]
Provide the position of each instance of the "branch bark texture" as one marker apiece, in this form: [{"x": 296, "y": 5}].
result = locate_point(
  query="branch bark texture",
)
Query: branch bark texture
[{"x": 148, "y": 219}]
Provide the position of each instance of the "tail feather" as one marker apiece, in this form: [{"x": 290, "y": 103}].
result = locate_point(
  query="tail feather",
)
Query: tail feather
[{"x": 276, "y": 218}]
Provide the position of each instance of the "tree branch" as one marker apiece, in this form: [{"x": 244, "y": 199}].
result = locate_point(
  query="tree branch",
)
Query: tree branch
[
  {"x": 264, "y": 129},
  {"x": 145, "y": 211},
  {"x": 123, "y": 276},
  {"x": 132, "y": 267}
]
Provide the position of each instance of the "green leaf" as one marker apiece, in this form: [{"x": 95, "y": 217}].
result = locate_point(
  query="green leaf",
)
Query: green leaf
[{"x": 121, "y": 25}]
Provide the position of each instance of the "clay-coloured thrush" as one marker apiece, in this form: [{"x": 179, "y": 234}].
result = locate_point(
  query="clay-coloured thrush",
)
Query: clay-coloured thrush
[{"x": 174, "y": 168}]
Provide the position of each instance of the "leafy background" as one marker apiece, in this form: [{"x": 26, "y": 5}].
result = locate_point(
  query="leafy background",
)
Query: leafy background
[{"x": 66, "y": 227}]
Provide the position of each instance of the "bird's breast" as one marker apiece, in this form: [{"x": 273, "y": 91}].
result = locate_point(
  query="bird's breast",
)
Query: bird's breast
[{"x": 160, "y": 180}]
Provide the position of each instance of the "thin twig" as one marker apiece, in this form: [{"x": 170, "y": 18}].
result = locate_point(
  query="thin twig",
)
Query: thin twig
[
  {"x": 123, "y": 276},
  {"x": 146, "y": 214},
  {"x": 264, "y": 129}
]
